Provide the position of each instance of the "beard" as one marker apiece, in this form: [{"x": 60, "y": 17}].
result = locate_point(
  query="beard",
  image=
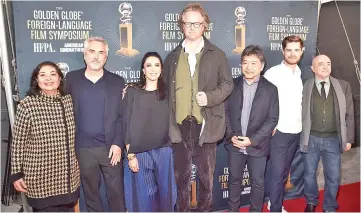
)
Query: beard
[
  {"x": 293, "y": 60},
  {"x": 95, "y": 66}
]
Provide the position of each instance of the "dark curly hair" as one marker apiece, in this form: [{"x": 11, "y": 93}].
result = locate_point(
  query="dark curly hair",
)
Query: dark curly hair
[
  {"x": 34, "y": 87},
  {"x": 290, "y": 39}
]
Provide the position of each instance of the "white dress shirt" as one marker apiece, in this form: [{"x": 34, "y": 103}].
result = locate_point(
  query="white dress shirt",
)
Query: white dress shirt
[
  {"x": 319, "y": 86},
  {"x": 192, "y": 59},
  {"x": 289, "y": 85}
]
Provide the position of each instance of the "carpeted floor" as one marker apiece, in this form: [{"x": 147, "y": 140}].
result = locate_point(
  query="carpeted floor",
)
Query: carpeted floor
[
  {"x": 349, "y": 195},
  {"x": 348, "y": 199}
]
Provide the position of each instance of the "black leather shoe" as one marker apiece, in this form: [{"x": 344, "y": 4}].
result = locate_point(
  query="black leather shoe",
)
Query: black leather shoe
[{"x": 310, "y": 208}]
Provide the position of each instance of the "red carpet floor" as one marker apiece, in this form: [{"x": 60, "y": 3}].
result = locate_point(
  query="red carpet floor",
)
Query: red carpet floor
[{"x": 348, "y": 200}]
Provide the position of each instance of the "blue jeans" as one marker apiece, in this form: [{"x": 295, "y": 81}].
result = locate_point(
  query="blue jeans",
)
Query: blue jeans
[{"x": 329, "y": 151}]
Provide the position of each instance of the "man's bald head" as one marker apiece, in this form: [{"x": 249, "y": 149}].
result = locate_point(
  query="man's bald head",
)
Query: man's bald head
[
  {"x": 320, "y": 57},
  {"x": 321, "y": 66}
]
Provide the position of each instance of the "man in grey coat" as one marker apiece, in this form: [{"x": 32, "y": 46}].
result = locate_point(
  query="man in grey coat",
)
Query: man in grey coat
[{"x": 328, "y": 130}]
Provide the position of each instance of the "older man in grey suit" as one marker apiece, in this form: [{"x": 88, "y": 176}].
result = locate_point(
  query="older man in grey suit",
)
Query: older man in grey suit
[{"x": 328, "y": 130}]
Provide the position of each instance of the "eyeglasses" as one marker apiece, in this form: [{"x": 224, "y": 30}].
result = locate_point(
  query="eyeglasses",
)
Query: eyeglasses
[{"x": 195, "y": 24}]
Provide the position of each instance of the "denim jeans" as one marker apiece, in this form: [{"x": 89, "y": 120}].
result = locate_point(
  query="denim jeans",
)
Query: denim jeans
[{"x": 328, "y": 149}]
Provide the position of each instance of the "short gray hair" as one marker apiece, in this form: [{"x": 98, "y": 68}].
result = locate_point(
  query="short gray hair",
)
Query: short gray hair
[{"x": 99, "y": 39}]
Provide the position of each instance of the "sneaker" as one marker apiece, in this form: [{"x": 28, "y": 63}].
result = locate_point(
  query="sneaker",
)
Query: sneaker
[{"x": 269, "y": 207}]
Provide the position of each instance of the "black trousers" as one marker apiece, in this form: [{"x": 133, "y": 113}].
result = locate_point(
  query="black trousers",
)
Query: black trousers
[
  {"x": 256, "y": 167},
  {"x": 205, "y": 162},
  {"x": 92, "y": 162},
  {"x": 58, "y": 208}
]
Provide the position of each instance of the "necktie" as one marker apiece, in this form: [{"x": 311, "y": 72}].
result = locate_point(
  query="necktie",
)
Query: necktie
[{"x": 323, "y": 91}]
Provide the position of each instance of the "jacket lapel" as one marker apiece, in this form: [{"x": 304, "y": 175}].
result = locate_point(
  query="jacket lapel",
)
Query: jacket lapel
[
  {"x": 240, "y": 100},
  {"x": 341, "y": 105},
  {"x": 108, "y": 96},
  {"x": 256, "y": 98},
  {"x": 203, "y": 65},
  {"x": 308, "y": 88}
]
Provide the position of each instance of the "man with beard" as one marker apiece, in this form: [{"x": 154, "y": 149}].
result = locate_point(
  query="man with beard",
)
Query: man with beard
[
  {"x": 97, "y": 98},
  {"x": 285, "y": 137}
]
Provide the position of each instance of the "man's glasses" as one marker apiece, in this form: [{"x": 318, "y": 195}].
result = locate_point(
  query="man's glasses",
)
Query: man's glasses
[{"x": 195, "y": 24}]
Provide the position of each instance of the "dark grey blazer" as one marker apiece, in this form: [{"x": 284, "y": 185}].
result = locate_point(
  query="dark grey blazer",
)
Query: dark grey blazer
[
  {"x": 113, "y": 117},
  {"x": 344, "y": 111},
  {"x": 262, "y": 120}
]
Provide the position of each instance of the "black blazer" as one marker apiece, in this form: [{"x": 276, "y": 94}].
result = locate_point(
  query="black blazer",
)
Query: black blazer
[
  {"x": 113, "y": 117},
  {"x": 262, "y": 120}
]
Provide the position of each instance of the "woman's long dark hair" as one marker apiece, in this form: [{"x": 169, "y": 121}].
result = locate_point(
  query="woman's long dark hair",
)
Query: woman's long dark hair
[
  {"x": 34, "y": 87},
  {"x": 160, "y": 84}
]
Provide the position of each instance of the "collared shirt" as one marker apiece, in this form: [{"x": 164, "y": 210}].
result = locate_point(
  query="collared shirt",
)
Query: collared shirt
[
  {"x": 289, "y": 85},
  {"x": 319, "y": 86},
  {"x": 192, "y": 59},
  {"x": 249, "y": 90}
]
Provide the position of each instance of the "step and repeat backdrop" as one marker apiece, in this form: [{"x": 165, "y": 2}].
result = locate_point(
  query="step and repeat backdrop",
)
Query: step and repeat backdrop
[{"x": 55, "y": 31}]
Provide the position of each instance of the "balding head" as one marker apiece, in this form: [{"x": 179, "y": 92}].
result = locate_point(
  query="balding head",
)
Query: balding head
[
  {"x": 320, "y": 57},
  {"x": 321, "y": 66}
]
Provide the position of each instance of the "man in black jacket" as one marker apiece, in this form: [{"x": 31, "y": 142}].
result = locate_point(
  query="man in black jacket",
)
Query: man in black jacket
[
  {"x": 97, "y": 99},
  {"x": 251, "y": 116}
]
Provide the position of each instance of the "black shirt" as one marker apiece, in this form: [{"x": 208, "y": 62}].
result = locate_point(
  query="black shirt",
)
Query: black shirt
[
  {"x": 146, "y": 122},
  {"x": 90, "y": 114}
]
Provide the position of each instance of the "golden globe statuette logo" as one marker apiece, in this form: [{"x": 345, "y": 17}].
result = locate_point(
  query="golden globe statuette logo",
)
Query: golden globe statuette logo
[
  {"x": 64, "y": 67},
  {"x": 240, "y": 31},
  {"x": 289, "y": 186},
  {"x": 125, "y": 31},
  {"x": 193, "y": 204}
]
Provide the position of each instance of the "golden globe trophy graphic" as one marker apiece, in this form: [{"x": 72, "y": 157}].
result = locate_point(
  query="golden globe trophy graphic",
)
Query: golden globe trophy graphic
[
  {"x": 289, "y": 186},
  {"x": 125, "y": 31},
  {"x": 64, "y": 67},
  {"x": 193, "y": 204},
  {"x": 240, "y": 31}
]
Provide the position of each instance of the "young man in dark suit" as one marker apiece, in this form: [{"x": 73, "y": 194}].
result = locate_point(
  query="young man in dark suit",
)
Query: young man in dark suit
[
  {"x": 97, "y": 98},
  {"x": 251, "y": 116}
]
